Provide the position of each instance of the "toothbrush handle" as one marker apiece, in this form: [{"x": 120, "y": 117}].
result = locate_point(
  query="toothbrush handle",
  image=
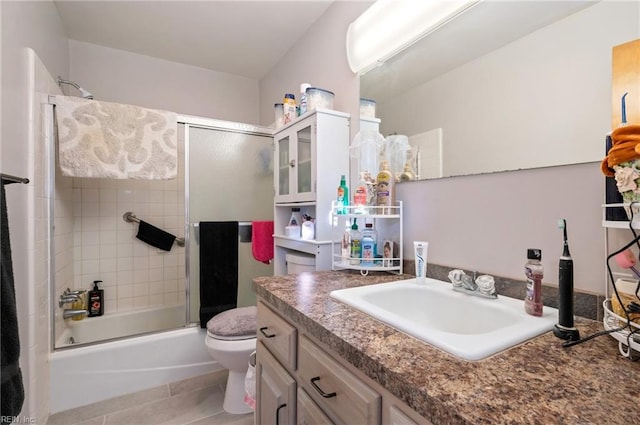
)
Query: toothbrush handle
[{"x": 565, "y": 293}]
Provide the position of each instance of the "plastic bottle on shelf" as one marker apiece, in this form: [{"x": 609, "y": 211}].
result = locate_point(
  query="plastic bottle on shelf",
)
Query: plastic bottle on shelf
[
  {"x": 361, "y": 195},
  {"x": 356, "y": 244},
  {"x": 385, "y": 185},
  {"x": 295, "y": 224},
  {"x": 534, "y": 271},
  {"x": 369, "y": 248},
  {"x": 289, "y": 106},
  {"x": 303, "y": 98},
  {"x": 343, "y": 196}
]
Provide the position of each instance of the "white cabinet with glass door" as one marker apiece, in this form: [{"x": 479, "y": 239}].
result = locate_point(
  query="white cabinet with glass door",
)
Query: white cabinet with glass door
[{"x": 311, "y": 154}]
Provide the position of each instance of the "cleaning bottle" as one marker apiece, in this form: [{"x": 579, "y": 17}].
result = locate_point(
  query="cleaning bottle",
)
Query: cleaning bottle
[
  {"x": 96, "y": 300},
  {"x": 361, "y": 195},
  {"x": 534, "y": 271},
  {"x": 343, "y": 196},
  {"x": 385, "y": 189},
  {"x": 356, "y": 244}
]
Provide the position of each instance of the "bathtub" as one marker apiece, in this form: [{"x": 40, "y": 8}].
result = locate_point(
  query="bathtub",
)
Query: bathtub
[
  {"x": 117, "y": 325},
  {"x": 87, "y": 374}
]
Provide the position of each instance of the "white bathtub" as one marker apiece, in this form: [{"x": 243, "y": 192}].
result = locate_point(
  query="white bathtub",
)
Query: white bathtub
[
  {"x": 117, "y": 325},
  {"x": 84, "y": 375}
]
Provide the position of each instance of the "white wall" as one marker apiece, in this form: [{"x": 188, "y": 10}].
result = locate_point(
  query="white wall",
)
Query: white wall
[
  {"x": 117, "y": 76},
  {"x": 542, "y": 100},
  {"x": 318, "y": 58},
  {"x": 35, "y": 25}
]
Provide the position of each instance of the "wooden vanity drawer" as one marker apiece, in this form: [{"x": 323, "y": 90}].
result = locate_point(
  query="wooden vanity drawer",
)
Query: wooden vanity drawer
[
  {"x": 278, "y": 336},
  {"x": 308, "y": 411},
  {"x": 335, "y": 389}
]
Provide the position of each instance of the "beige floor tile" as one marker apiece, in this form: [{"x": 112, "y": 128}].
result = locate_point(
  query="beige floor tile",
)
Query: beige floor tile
[
  {"x": 179, "y": 410},
  {"x": 102, "y": 408},
  {"x": 202, "y": 381},
  {"x": 95, "y": 421},
  {"x": 225, "y": 418}
]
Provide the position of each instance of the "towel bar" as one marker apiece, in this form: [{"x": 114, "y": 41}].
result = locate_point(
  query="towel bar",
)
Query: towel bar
[
  {"x": 14, "y": 179},
  {"x": 130, "y": 217}
]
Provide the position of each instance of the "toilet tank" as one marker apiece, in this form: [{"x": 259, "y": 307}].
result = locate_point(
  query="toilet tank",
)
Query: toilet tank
[{"x": 299, "y": 263}]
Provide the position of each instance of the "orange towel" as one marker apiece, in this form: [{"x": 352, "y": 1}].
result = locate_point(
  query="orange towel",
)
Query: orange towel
[
  {"x": 625, "y": 147},
  {"x": 262, "y": 241}
]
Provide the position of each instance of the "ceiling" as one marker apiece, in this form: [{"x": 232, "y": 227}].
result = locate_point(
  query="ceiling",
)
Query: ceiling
[{"x": 239, "y": 37}]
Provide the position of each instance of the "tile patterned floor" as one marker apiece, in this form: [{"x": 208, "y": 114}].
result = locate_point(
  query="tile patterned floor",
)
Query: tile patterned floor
[{"x": 195, "y": 401}]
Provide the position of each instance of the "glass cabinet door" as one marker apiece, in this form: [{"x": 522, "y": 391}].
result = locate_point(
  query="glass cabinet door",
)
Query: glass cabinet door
[
  {"x": 304, "y": 160},
  {"x": 283, "y": 166}
]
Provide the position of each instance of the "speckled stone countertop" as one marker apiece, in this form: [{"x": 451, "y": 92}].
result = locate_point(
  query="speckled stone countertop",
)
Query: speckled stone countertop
[{"x": 536, "y": 382}]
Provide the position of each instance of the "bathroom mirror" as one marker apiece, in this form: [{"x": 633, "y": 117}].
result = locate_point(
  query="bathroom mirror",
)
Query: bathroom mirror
[{"x": 510, "y": 84}]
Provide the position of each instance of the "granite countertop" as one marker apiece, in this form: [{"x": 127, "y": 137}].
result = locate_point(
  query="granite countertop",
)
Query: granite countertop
[{"x": 536, "y": 382}]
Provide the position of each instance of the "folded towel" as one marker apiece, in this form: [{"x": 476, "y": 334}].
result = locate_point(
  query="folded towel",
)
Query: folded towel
[
  {"x": 12, "y": 386},
  {"x": 103, "y": 139},
  {"x": 155, "y": 237},
  {"x": 262, "y": 241},
  {"x": 625, "y": 147}
]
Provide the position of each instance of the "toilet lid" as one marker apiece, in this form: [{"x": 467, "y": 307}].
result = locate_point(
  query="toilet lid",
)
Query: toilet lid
[{"x": 234, "y": 324}]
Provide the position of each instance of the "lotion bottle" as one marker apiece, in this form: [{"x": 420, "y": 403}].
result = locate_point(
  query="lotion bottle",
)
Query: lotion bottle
[{"x": 385, "y": 183}]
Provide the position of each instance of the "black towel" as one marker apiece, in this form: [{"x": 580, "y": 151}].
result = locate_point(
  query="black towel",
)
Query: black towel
[
  {"x": 218, "y": 268},
  {"x": 12, "y": 388},
  {"x": 154, "y": 236}
]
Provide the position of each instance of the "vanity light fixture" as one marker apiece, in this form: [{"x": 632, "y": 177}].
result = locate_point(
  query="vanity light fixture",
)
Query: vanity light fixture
[{"x": 389, "y": 26}]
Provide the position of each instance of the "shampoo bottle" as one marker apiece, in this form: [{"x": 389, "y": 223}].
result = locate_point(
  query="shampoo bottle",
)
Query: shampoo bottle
[
  {"x": 96, "y": 300},
  {"x": 385, "y": 189}
]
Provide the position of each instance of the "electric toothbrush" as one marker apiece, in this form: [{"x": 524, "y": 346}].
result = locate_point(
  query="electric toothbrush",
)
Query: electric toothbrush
[{"x": 565, "y": 329}]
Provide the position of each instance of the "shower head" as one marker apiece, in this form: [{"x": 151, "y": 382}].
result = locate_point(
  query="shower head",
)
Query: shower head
[{"x": 84, "y": 93}]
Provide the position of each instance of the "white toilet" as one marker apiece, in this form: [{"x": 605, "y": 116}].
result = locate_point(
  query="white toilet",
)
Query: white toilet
[{"x": 231, "y": 338}]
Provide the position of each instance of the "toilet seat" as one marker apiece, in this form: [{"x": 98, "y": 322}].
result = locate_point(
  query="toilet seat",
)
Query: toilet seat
[{"x": 234, "y": 325}]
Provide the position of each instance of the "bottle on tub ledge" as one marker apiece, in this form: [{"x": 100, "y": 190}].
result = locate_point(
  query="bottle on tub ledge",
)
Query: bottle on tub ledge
[{"x": 96, "y": 300}]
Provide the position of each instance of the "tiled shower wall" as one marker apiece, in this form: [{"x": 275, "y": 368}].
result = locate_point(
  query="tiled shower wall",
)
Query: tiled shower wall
[{"x": 134, "y": 274}]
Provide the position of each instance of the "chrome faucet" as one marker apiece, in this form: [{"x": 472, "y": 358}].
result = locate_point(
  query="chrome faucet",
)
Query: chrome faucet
[
  {"x": 481, "y": 286},
  {"x": 71, "y": 313}
]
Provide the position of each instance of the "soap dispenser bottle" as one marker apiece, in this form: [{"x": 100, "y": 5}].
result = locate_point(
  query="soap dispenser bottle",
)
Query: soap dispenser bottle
[{"x": 96, "y": 300}]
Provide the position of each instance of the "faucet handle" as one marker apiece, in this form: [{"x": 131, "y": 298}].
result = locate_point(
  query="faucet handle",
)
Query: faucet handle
[
  {"x": 486, "y": 284},
  {"x": 455, "y": 276}
]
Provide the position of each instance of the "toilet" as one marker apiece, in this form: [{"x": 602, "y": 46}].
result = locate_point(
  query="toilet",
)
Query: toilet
[{"x": 231, "y": 338}]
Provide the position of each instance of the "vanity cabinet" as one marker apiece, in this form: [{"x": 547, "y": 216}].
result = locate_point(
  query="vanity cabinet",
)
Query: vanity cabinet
[
  {"x": 275, "y": 389},
  {"x": 310, "y": 155},
  {"x": 319, "y": 387}
]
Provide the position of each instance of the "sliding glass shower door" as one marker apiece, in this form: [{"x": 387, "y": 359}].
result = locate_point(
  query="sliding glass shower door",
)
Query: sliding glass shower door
[{"x": 230, "y": 178}]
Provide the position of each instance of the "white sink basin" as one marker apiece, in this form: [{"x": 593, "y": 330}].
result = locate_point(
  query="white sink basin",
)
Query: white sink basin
[{"x": 466, "y": 326}]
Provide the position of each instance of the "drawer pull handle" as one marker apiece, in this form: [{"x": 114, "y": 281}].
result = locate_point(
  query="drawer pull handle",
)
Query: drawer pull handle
[
  {"x": 318, "y": 389},
  {"x": 266, "y": 335},
  {"x": 278, "y": 412}
]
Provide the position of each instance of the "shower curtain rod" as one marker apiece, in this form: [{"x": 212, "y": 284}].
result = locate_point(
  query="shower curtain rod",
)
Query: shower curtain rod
[{"x": 14, "y": 179}]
